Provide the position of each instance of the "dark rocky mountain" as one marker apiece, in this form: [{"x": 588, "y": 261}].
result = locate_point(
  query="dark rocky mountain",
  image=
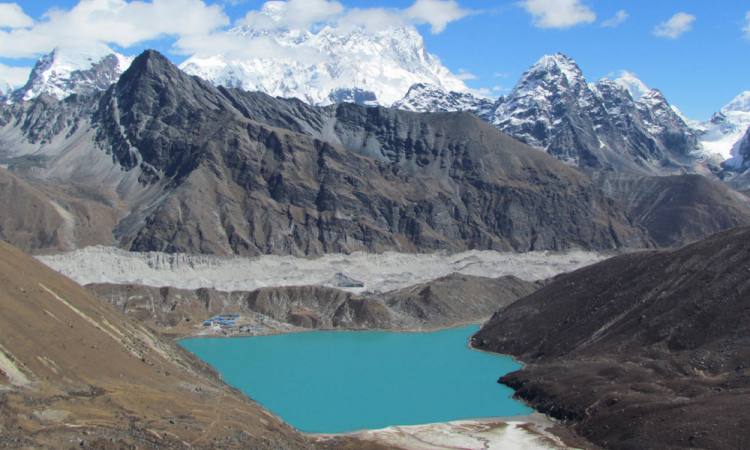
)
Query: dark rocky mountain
[
  {"x": 593, "y": 126},
  {"x": 193, "y": 168},
  {"x": 447, "y": 301},
  {"x": 645, "y": 350}
]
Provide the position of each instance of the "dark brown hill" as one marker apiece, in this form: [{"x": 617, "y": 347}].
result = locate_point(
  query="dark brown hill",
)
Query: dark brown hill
[{"x": 646, "y": 350}]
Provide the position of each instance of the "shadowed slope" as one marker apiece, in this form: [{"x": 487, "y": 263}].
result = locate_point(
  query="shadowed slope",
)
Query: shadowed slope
[{"x": 647, "y": 350}]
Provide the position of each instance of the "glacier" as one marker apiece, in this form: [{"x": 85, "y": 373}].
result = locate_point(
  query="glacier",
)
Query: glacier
[{"x": 378, "y": 272}]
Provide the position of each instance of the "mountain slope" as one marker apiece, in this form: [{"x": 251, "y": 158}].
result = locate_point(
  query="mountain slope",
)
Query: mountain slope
[
  {"x": 678, "y": 209},
  {"x": 646, "y": 350},
  {"x": 193, "y": 168},
  {"x": 42, "y": 217},
  {"x": 74, "y": 372}
]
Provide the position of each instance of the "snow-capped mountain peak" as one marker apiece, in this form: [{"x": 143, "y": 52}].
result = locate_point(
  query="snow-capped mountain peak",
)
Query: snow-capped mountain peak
[
  {"x": 64, "y": 71},
  {"x": 317, "y": 66},
  {"x": 740, "y": 103},
  {"x": 723, "y": 132},
  {"x": 632, "y": 84},
  {"x": 556, "y": 64}
]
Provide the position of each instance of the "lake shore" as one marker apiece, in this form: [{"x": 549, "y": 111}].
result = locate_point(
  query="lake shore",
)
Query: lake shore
[{"x": 532, "y": 432}]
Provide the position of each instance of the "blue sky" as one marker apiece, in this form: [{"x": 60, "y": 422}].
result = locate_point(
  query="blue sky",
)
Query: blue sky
[{"x": 700, "y": 63}]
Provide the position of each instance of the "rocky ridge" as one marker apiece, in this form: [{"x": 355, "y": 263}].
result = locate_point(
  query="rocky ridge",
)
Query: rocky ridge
[{"x": 448, "y": 301}]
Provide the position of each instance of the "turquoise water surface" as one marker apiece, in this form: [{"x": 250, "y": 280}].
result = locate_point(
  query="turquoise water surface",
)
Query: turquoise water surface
[{"x": 333, "y": 382}]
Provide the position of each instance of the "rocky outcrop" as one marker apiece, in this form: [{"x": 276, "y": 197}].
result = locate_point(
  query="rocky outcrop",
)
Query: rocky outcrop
[
  {"x": 646, "y": 350},
  {"x": 448, "y": 301}
]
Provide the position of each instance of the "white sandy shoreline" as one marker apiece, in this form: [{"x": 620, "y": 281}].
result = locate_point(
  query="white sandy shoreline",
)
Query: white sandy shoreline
[{"x": 530, "y": 432}]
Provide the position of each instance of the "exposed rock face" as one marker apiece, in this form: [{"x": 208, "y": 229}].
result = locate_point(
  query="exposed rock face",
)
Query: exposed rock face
[
  {"x": 447, "y": 301},
  {"x": 679, "y": 209},
  {"x": 76, "y": 372},
  {"x": 646, "y": 350},
  {"x": 207, "y": 170}
]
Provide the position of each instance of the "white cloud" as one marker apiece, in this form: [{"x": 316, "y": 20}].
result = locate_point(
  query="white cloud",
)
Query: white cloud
[
  {"x": 437, "y": 13},
  {"x": 747, "y": 25},
  {"x": 465, "y": 75},
  {"x": 676, "y": 26},
  {"x": 295, "y": 14},
  {"x": 201, "y": 29},
  {"x": 15, "y": 76},
  {"x": 107, "y": 22},
  {"x": 558, "y": 13},
  {"x": 618, "y": 19},
  {"x": 302, "y": 14},
  {"x": 12, "y": 16}
]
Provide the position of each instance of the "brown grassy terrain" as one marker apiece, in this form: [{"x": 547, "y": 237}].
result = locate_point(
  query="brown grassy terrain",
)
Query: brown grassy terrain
[{"x": 74, "y": 371}]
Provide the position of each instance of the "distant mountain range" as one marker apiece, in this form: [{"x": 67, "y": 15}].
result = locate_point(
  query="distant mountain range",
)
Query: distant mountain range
[
  {"x": 161, "y": 160},
  {"x": 168, "y": 162},
  {"x": 619, "y": 124},
  {"x": 374, "y": 68}
]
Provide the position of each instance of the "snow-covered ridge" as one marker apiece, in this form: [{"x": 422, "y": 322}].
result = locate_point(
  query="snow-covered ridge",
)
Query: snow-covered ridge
[
  {"x": 384, "y": 63},
  {"x": 379, "y": 272},
  {"x": 64, "y": 72},
  {"x": 722, "y": 134},
  {"x": 431, "y": 98}
]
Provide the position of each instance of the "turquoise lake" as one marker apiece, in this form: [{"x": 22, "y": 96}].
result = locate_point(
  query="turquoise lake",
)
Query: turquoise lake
[{"x": 333, "y": 382}]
